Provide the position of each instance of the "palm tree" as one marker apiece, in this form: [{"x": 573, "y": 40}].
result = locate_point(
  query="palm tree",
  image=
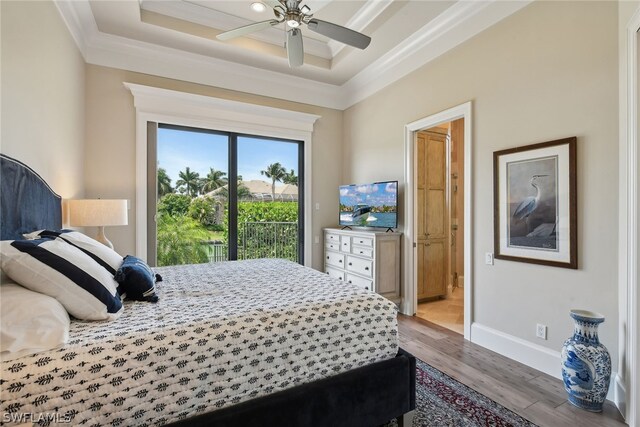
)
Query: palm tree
[
  {"x": 214, "y": 179},
  {"x": 181, "y": 240},
  {"x": 276, "y": 172},
  {"x": 190, "y": 180},
  {"x": 290, "y": 178},
  {"x": 164, "y": 183}
]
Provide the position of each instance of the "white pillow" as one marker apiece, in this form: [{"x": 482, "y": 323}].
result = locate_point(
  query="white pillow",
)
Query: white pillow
[
  {"x": 55, "y": 268},
  {"x": 102, "y": 254},
  {"x": 30, "y": 322}
]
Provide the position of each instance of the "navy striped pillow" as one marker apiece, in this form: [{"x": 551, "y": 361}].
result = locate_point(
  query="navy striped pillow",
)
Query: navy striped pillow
[
  {"x": 103, "y": 255},
  {"x": 53, "y": 267}
]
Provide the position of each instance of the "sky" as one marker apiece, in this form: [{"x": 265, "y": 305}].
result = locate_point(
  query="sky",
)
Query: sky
[
  {"x": 200, "y": 151},
  {"x": 372, "y": 194}
]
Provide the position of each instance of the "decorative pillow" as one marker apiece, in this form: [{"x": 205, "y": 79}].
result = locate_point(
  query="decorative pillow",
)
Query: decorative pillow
[
  {"x": 30, "y": 322},
  {"x": 137, "y": 279},
  {"x": 103, "y": 255},
  {"x": 55, "y": 268}
]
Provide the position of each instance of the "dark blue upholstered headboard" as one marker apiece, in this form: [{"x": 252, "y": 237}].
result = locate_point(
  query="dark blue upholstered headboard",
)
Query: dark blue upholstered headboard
[{"x": 27, "y": 203}]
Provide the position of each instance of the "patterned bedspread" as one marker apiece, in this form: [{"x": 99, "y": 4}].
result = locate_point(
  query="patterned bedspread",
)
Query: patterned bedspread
[{"x": 221, "y": 334}]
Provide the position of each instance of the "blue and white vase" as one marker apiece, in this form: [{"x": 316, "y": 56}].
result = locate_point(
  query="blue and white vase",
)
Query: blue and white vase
[{"x": 586, "y": 364}]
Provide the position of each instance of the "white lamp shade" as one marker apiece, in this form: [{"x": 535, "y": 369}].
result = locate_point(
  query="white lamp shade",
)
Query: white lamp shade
[{"x": 97, "y": 212}]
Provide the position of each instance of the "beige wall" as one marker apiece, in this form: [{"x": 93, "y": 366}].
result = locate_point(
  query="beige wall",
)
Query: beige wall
[
  {"x": 110, "y": 146},
  {"x": 547, "y": 72},
  {"x": 42, "y": 95}
]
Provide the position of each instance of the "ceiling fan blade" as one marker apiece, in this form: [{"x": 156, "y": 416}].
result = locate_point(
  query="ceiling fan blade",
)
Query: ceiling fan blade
[
  {"x": 339, "y": 33},
  {"x": 295, "y": 51},
  {"x": 247, "y": 29}
]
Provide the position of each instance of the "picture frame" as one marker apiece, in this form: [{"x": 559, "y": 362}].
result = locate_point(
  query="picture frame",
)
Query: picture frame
[{"x": 535, "y": 205}]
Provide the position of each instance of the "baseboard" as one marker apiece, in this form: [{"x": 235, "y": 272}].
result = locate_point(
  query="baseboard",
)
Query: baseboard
[
  {"x": 536, "y": 356},
  {"x": 619, "y": 393}
]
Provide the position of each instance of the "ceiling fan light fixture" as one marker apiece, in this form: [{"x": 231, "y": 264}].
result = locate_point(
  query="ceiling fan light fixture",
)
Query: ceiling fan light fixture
[
  {"x": 258, "y": 6},
  {"x": 293, "y": 15}
]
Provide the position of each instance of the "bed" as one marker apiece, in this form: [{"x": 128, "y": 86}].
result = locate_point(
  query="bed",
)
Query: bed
[{"x": 260, "y": 343}]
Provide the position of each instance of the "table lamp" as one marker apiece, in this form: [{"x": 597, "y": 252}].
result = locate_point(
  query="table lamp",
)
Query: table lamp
[{"x": 97, "y": 213}]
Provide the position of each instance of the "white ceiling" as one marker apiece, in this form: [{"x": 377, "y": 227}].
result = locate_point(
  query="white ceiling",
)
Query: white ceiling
[{"x": 176, "y": 38}]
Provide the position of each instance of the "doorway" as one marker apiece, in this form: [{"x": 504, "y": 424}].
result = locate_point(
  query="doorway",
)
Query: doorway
[
  {"x": 439, "y": 152},
  {"x": 409, "y": 304}
]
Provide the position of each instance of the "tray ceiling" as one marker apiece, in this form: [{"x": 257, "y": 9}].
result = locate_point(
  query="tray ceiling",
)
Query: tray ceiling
[{"x": 178, "y": 35}]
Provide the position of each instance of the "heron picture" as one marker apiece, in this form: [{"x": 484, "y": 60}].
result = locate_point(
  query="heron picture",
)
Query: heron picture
[
  {"x": 532, "y": 203},
  {"x": 535, "y": 208}
]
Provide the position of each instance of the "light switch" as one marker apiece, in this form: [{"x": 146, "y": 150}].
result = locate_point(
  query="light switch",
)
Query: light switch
[{"x": 488, "y": 258}]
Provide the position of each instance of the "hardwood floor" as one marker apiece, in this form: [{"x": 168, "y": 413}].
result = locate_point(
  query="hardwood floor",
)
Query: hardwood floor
[{"x": 534, "y": 395}]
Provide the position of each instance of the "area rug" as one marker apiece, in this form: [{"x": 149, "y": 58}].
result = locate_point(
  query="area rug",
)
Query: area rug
[{"x": 443, "y": 401}]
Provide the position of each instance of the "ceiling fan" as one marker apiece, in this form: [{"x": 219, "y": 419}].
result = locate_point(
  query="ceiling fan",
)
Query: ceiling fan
[{"x": 290, "y": 12}]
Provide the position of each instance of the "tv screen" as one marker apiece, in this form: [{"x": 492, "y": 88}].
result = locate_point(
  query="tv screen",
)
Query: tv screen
[{"x": 369, "y": 205}]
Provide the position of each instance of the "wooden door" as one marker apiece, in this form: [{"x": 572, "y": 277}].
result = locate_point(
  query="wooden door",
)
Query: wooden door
[{"x": 432, "y": 213}]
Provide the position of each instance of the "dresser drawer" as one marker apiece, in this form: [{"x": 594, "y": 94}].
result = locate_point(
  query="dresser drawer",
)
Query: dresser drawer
[
  {"x": 332, "y": 246},
  {"x": 362, "y": 251},
  {"x": 360, "y": 282},
  {"x": 363, "y": 241},
  {"x": 332, "y": 238},
  {"x": 334, "y": 259},
  {"x": 336, "y": 274},
  {"x": 345, "y": 244},
  {"x": 360, "y": 266}
]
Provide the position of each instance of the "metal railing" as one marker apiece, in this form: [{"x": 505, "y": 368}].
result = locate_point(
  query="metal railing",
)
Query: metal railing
[
  {"x": 261, "y": 240},
  {"x": 217, "y": 251}
]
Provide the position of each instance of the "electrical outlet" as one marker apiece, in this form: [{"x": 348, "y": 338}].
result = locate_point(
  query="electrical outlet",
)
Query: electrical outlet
[
  {"x": 317, "y": 206},
  {"x": 541, "y": 331},
  {"x": 488, "y": 258}
]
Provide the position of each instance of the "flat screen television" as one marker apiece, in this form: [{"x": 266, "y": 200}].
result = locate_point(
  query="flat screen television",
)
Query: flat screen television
[{"x": 369, "y": 205}]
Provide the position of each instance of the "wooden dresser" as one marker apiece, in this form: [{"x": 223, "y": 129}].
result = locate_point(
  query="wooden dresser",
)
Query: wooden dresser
[{"x": 370, "y": 259}]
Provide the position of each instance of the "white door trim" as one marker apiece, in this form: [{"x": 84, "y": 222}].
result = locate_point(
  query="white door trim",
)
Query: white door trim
[
  {"x": 186, "y": 109},
  {"x": 629, "y": 297},
  {"x": 410, "y": 299}
]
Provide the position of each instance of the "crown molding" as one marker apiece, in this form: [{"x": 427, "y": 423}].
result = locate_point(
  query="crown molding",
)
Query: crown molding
[
  {"x": 132, "y": 55},
  {"x": 457, "y": 24},
  {"x": 365, "y": 16},
  {"x": 460, "y": 22},
  {"x": 77, "y": 21}
]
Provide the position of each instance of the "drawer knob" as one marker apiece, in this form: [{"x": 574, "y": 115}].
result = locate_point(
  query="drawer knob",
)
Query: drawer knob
[
  {"x": 327, "y": 257},
  {"x": 340, "y": 261},
  {"x": 350, "y": 264},
  {"x": 349, "y": 281},
  {"x": 345, "y": 244},
  {"x": 366, "y": 268},
  {"x": 361, "y": 241},
  {"x": 361, "y": 252}
]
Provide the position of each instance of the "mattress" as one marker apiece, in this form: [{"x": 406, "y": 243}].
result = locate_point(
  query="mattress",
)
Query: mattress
[{"x": 221, "y": 334}]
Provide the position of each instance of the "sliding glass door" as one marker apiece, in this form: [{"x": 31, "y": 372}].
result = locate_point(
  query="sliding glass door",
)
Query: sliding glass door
[
  {"x": 223, "y": 196},
  {"x": 269, "y": 198}
]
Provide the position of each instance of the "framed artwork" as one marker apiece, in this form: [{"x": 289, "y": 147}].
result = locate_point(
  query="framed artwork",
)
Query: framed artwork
[{"x": 534, "y": 202}]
